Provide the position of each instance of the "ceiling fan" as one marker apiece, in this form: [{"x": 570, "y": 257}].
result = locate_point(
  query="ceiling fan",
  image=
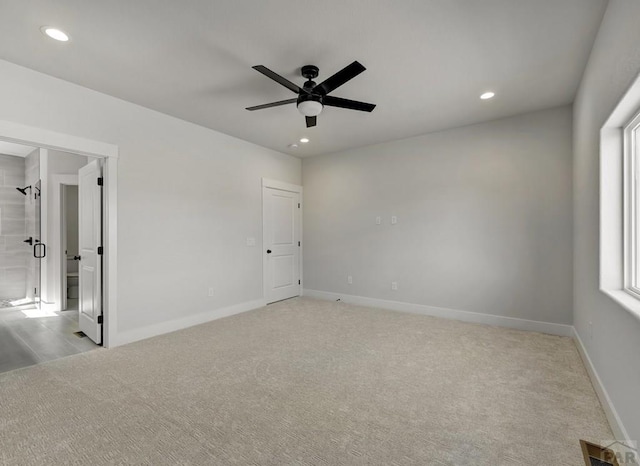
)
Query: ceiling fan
[{"x": 313, "y": 97}]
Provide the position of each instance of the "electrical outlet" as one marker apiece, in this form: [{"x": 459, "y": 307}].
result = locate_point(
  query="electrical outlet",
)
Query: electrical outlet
[
  {"x": 211, "y": 291},
  {"x": 394, "y": 220},
  {"x": 378, "y": 220},
  {"x": 350, "y": 280},
  {"x": 394, "y": 286}
]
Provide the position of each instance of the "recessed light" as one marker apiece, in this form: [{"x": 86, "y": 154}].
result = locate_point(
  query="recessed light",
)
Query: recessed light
[
  {"x": 54, "y": 33},
  {"x": 304, "y": 140},
  {"x": 487, "y": 95}
]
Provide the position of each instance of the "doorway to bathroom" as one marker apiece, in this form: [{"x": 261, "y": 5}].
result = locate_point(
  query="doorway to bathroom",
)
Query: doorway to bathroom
[
  {"x": 98, "y": 206},
  {"x": 74, "y": 236},
  {"x": 34, "y": 328},
  {"x": 69, "y": 251}
]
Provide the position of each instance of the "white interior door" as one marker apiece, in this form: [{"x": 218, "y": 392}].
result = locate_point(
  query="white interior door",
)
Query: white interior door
[
  {"x": 281, "y": 242},
  {"x": 89, "y": 240}
]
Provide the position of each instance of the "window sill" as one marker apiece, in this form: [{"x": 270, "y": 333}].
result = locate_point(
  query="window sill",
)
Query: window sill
[{"x": 625, "y": 300}]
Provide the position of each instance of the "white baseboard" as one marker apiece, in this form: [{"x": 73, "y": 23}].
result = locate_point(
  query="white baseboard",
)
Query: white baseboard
[
  {"x": 129, "y": 336},
  {"x": 466, "y": 316},
  {"x": 619, "y": 431}
]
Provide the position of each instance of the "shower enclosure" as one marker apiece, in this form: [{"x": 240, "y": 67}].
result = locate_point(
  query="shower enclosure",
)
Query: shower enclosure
[
  {"x": 21, "y": 247},
  {"x": 37, "y": 250}
]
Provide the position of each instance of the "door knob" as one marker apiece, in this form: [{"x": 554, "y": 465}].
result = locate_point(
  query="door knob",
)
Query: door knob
[{"x": 268, "y": 251}]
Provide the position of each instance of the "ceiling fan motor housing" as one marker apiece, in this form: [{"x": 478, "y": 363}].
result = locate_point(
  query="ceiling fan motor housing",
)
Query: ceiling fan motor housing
[{"x": 309, "y": 71}]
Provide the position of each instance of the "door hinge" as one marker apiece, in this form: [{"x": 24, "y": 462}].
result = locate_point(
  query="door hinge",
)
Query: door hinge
[
  {"x": 298, "y": 243},
  {"x": 100, "y": 250},
  {"x": 100, "y": 319},
  {"x": 298, "y": 205},
  {"x": 100, "y": 181},
  {"x": 298, "y": 282}
]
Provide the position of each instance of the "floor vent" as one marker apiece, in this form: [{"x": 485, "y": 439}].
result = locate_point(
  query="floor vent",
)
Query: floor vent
[
  {"x": 596, "y": 455},
  {"x": 79, "y": 334}
]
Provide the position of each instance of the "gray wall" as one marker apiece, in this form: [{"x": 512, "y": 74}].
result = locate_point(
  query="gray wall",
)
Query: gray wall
[
  {"x": 484, "y": 219},
  {"x": 188, "y": 197},
  {"x": 614, "y": 347},
  {"x": 71, "y": 209},
  {"x": 13, "y": 252}
]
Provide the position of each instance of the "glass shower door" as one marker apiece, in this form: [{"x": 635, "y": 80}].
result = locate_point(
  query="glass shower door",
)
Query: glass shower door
[{"x": 39, "y": 249}]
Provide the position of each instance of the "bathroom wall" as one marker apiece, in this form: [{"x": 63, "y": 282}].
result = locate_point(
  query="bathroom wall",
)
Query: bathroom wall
[
  {"x": 57, "y": 163},
  {"x": 13, "y": 252},
  {"x": 71, "y": 206}
]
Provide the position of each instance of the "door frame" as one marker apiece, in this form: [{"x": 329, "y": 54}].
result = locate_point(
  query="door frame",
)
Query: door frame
[
  {"x": 109, "y": 153},
  {"x": 282, "y": 186}
]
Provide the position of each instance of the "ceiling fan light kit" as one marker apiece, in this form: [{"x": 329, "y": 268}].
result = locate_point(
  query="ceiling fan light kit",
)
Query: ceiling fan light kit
[
  {"x": 312, "y": 97},
  {"x": 310, "y": 106}
]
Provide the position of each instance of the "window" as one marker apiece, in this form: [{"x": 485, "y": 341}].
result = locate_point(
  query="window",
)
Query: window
[
  {"x": 632, "y": 206},
  {"x": 620, "y": 202}
]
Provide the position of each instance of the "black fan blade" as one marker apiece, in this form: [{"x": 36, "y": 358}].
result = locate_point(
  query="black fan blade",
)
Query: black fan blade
[
  {"x": 279, "y": 79},
  {"x": 311, "y": 121},
  {"x": 338, "y": 79},
  {"x": 273, "y": 104},
  {"x": 346, "y": 103}
]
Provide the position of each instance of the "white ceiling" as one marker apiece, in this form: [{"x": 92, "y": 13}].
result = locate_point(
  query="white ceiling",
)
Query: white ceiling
[
  {"x": 10, "y": 148},
  {"x": 427, "y": 60}
]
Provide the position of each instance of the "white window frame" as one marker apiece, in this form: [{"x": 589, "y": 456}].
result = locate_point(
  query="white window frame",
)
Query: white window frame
[
  {"x": 631, "y": 191},
  {"x": 616, "y": 208}
]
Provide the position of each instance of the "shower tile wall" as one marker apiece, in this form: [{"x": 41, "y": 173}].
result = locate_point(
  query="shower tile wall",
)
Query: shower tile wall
[{"x": 14, "y": 253}]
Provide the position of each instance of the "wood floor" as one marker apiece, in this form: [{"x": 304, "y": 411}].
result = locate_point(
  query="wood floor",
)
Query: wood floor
[{"x": 31, "y": 336}]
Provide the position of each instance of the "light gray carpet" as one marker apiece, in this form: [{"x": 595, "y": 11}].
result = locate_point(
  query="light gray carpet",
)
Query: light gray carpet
[{"x": 307, "y": 382}]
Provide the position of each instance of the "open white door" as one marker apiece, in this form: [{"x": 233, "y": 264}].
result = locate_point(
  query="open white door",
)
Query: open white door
[
  {"x": 281, "y": 211},
  {"x": 89, "y": 243}
]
